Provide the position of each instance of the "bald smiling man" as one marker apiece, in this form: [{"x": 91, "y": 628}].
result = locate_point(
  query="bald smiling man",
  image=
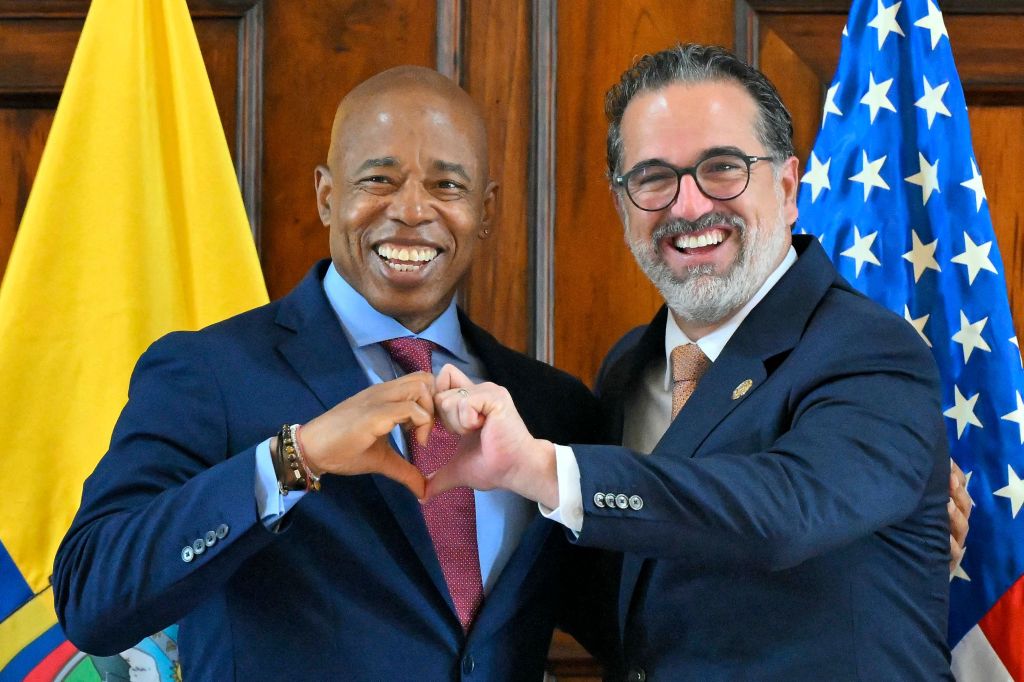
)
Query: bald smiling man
[{"x": 302, "y": 552}]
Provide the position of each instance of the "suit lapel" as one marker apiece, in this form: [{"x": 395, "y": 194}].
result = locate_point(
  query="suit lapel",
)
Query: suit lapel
[
  {"x": 617, "y": 380},
  {"x": 772, "y": 328},
  {"x": 320, "y": 354}
]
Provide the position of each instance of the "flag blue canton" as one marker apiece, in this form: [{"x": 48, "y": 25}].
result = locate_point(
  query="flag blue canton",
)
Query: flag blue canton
[{"x": 893, "y": 191}]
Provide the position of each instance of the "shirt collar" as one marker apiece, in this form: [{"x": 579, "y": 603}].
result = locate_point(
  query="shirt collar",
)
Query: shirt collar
[
  {"x": 366, "y": 325},
  {"x": 712, "y": 344}
]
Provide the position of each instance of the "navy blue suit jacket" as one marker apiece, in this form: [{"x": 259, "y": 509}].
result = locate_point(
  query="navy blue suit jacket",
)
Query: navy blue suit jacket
[
  {"x": 351, "y": 587},
  {"x": 795, "y": 531}
]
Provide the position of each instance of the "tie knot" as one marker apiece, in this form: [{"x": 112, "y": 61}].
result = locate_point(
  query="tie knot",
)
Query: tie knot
[
  {"x": 411, "y": 354},
  {"x": 688, "y": 362}
]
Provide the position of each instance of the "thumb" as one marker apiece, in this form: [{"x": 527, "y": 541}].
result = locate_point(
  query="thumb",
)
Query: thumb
[
  {"x": 389, "y": 463},
  {"x": 443, "y": 480}
]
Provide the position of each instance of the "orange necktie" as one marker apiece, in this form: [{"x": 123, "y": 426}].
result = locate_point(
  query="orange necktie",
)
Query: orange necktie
[{"x": 688, "y": 365}]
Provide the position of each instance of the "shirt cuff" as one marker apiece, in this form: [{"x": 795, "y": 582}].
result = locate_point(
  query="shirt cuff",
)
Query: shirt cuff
[
  {"x": 270, "y": 503},
  {"x": 569, "y": 511}
]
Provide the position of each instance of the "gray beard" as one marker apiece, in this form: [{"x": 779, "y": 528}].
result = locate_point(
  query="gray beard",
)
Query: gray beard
[{"x": 703, "y": 296}]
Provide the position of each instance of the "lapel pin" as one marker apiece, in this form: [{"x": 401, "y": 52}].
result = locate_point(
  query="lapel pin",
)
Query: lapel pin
[{"x": 742, "y": 389}]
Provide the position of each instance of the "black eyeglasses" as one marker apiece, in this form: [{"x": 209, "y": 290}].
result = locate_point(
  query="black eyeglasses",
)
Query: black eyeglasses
[{"x": 654, "y": 186}]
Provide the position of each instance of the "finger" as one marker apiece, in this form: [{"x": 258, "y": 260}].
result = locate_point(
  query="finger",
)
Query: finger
[
  {"x": 469, "y": 418},
  {"x": 424, "y": 397},
  {"x": 958, "y": 493},
  {"x": 956, "y": 474},
  {"x": 956, "y": 554},
  {"x": 444, "y": 479},
  {"x": 444, "y": 379},
  {"x": 446, "y": 405},
  {"x": 451, "y": 377},
  {"x": 957, "y": 523},
  {"x": 389, "y": 463}
]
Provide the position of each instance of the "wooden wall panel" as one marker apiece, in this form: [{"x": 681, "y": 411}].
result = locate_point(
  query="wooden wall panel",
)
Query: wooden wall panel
[
  {"x": 22, "y": 136},
  {"x": 315, "y": 52},
  {"x": 999, "y": 147},
  {"x": 799, "y": 52},
  {"x": 496, "y": 73},
  {"x": 600, "y": 293}
]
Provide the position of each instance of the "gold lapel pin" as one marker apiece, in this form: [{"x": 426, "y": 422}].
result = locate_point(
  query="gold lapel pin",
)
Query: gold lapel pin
[{"x": 742, "y": 389}]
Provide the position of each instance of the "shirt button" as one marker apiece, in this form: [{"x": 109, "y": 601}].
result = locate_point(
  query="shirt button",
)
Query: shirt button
[
  {"x": 599, "y": 500},
  {"x": 468, "y": 665},
  {"x": 621, "y": 501},
  {"x": 636, "y": 503},
  {"x": 187, "y": 553},
  {"x": 199, "y": 546},
  {"x": 636, "y": 675}
]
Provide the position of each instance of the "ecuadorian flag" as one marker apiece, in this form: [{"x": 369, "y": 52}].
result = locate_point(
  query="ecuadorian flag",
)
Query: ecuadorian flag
[{"x": 134, "y": 228}]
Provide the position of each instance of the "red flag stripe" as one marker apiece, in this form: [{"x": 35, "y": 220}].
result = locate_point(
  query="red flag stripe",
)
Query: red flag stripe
[
  {"x": 48, "y": 668},
  {"x": 1003, "y": 626}
]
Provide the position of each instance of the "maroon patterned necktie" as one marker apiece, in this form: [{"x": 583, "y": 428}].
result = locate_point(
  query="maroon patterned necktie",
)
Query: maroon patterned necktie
[{"x": 451, "y": 516}]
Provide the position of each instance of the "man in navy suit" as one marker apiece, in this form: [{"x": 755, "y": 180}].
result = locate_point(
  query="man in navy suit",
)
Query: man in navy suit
[
  {"x": 789, "y": 521},
  {"x": 306, "y": 555}
]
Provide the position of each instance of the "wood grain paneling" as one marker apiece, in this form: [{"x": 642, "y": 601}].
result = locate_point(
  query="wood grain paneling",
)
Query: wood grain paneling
[
  {"x": 22, "y": 135},
  {"x": 999, "y": 147},
  {"x": 315, "y": 53},
  {"x": 599, "y": 291},
  {"x": 496, "y": 72}
]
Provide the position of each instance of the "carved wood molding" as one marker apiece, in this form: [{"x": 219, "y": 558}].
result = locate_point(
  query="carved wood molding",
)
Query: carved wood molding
[
  {"x": 542, "y": 177},
  {"x": 450, "y": 41},
  {"x": 990, "y": 76}
]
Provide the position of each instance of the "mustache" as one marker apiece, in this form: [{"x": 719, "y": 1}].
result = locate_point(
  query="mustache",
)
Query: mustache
[{"x": 680, "y": 226}]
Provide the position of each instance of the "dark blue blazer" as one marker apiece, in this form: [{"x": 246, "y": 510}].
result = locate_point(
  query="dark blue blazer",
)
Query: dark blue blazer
[
  {"x": 350, "y": 588},
  {"x": 796, "y": 531}
]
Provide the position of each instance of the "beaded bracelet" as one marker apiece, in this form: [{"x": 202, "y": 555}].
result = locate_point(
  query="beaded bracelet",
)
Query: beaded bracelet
[{"x": 291, "y": 469}]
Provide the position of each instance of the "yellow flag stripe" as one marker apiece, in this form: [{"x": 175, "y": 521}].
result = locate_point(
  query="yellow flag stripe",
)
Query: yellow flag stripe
[{"x": 23, "y": 626}]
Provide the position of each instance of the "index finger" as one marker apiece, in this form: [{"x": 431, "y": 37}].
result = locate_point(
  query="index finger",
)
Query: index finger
[
  {"x": 451, "y": 377},
  {"x": 422, "y": 387}
]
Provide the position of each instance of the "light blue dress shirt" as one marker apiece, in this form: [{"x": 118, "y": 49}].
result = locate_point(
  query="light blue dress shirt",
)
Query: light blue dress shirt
[{"x": 501, "y": 516}]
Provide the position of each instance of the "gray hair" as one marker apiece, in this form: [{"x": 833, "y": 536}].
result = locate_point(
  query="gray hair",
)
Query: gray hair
[{"x": 692, "y": 63}]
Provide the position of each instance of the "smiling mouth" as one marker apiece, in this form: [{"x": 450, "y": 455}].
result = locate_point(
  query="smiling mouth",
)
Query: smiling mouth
[
  {"x": 406, "y": 258},
  {"x": 700, "y": 243}
]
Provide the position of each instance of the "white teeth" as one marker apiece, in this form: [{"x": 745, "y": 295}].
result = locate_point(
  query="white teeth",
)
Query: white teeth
[
  {"x": 423, "y": 254},
  {"x": 688, "y": 241}
]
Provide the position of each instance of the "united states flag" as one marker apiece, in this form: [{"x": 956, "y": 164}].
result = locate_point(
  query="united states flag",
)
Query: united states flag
[{"x": 895, "y": 194}]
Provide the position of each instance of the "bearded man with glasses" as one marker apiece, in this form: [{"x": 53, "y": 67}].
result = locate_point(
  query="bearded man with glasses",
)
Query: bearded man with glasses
[{"x": 789, "y": 521}]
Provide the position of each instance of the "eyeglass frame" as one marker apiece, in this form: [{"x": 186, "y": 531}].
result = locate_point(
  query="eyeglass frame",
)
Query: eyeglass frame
[{"x": 622, "y": 180}]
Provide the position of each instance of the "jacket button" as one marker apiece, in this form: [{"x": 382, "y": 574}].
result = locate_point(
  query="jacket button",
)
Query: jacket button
[
  {"x": 636, "y": 503},
  {"x": 468, "y": 665},
  {"x": 621, "y": 501},
  {"x": 199, "y": 546},
  {"x": 599, "y": 500},
  {"x": 636, "y": 675},
  {"x": 210, "y": 538},
  {"x": 609, "y": 500},
  {"x": 187, "y": 553},
  {"x": 222, "y": 531}
]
